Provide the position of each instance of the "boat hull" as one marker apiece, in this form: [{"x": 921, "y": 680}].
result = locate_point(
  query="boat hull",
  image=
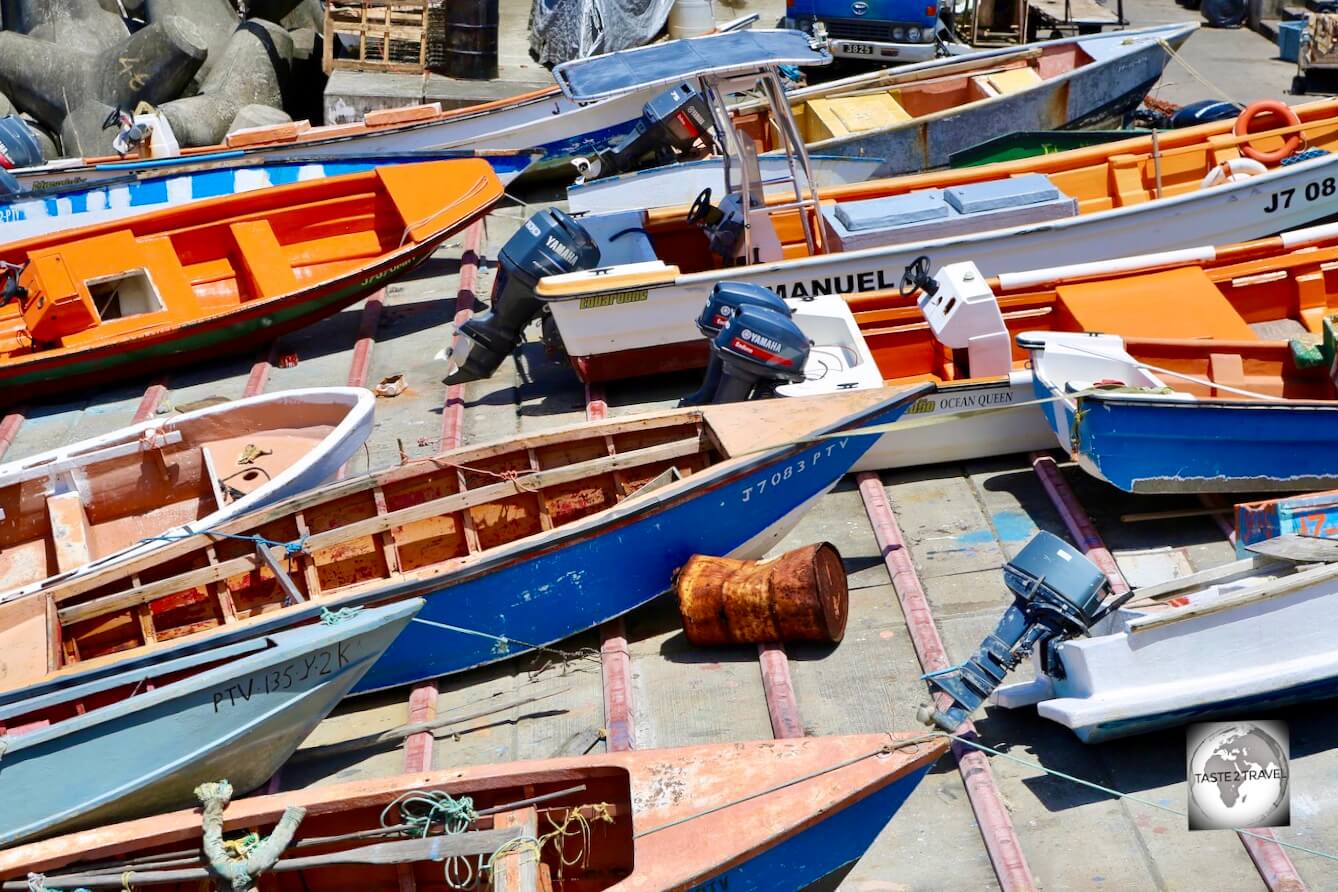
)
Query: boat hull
[
  {"x": 611, "y": 338},
  {"x": 544, "y": 593},
  {"x": 818, "y": 858},
  {"x": 239, "y": 721},
  {"x": 1006, "y": 428},
  {"x": 1098, "y": 94},
  {"x": 251, "y": 325},
  {"x": 322, "y": 463},
  {"x": 119, "y": 197},
  {"x": 1193, "y": 663},
  {"x": 1152, "y": 446},
  {"x": 551, "y": 124}
]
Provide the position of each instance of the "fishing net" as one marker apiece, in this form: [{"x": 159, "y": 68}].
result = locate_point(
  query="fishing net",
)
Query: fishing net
[{"x": 561, "y": 30}]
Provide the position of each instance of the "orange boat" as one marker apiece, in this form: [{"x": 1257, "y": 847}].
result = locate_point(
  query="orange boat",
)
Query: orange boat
[
  {"x": 84, "y": 306},
  {"x": 782, "y": 814}
]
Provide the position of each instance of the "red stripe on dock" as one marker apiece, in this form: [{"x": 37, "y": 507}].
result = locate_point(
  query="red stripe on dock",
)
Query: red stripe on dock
[
  {"x": 9, "y": 428},
  {"x": 615, "y": 661},
  {"x": 1270, "y": 859},
  {"x": 452, "y": 419},
  {"x": 148, "y": 404},
  {"x": 362, "y": 348},
  {"x": 781, "y": 703},
  {"x": 418, "y": 748},
  {"x": 996, "y": 827},
  {"x": 1075, "y": 517}
]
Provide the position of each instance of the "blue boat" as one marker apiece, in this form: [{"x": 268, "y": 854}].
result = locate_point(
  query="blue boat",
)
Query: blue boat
[
  {"x": 128, "y": 740},
  {"x": 791, "y": 814},
  {"x": 139, "y": 187},
  {"x": 516, "y": 545},
  {"x": 1188, "y": 416}
]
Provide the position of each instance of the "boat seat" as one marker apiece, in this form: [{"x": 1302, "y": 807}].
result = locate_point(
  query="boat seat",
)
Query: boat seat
[
  {"x": 1012, "y": 80},
  {"x": 945, "y": 213},
  {"x": 844, "y": 115},
  {"x": 70, "y": 532},
  {"x": 1228, "y": 369},
  {"x": 621, "y": 237},
  {"x": 1176, "y": 303},
  {"x": 262, "y": 258}
]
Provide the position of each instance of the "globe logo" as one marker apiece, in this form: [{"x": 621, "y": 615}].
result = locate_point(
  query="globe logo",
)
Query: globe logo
[{"x": 1238, "y": 775}]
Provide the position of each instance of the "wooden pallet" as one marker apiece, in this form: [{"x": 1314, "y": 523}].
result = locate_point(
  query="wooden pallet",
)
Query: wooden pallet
[{"x": 391, "y": 35}]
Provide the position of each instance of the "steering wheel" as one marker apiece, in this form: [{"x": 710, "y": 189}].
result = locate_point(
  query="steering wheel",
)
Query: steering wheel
[
  {"x": 914, "y": 278},
  {"x": 12, "y": 289},
  {"x": 700, "y": 205}
]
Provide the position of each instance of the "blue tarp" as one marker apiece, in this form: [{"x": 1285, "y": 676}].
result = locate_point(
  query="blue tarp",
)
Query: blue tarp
[{"x": 676, "y": 60}]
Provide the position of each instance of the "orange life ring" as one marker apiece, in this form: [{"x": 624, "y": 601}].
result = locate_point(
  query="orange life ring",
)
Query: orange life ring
[{"x": 1265, "y": 107}]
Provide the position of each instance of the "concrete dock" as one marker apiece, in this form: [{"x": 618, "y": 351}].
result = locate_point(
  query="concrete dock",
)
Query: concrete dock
[{"x": 638, "y": 682}]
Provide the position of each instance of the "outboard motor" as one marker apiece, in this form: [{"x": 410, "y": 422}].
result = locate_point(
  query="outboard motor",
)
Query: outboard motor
[
  {"x": 549, "y": 244},
  {"x": 18, "y": 146},
  {"x": 670, "y": 124},
  {"x": 726, "y": 300},
  {"x": 759, "y": 349},
  {"x": 1057, "y": 594}
]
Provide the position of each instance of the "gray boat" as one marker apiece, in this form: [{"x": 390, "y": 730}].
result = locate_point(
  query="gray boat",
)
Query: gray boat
[{"x": 116, "y": 745}]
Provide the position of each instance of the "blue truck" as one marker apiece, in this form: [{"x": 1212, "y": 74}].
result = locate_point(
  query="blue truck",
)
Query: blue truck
[{"x": 882, "y": 31}]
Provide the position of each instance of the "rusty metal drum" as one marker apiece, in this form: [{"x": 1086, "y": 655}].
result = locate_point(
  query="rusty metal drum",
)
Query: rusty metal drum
[{"x": 799, "y": 596}]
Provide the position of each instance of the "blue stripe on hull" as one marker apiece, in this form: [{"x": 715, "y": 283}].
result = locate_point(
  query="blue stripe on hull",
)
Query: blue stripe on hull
[
  {"x": 1321, "y": 689},
  {"x": 542, "y": 598},
  {"x": 1192, "y": 447},
  {"x": 819, "y": 856}
]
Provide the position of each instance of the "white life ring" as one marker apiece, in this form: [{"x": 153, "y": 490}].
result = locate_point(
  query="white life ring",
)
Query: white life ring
[{"x": 1230, "y": 171}]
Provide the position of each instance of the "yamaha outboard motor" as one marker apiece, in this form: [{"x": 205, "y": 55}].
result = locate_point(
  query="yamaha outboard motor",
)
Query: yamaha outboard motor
[
  {"x": 18, "y": 146},
  {"x": 549, "y": 244},
  {"x": 1057, "y": 594},
  {"x": 671, "y": 123},
  {"x": 726, "y": 300},
  {"x": 758, "y": 350}
]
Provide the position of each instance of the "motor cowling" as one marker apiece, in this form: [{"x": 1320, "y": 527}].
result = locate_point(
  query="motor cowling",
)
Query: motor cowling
[
  {"x": 18, "y": 146},
  {"x": 550, "y": 243},
  {"x": 1057, "y": 594},
  {"x": 671, "y": 124},
  {"x": 758, "y": 349},
  {"x": 726, "y": 300}
]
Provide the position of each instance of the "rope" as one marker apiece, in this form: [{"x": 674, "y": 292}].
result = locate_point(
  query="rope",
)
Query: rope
[
  {"x": 295, "y": 547},
  {"x": 1193, "y": 72},
  {"x": 503, "y": 643},
  {"x": 335, "y": 617},
  {"x": 422, "y": 808},
  {"x": 231, "y": 872}
]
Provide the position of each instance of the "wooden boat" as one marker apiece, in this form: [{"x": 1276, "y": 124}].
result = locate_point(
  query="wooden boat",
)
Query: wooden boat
[
  {"x": 121, "y": 744},
  {"x": 147, "y": 189},
  {"x": 1162, "y": 415},
  {"x": 219, "y": 276},
  {"x": 916, "y": 116},
  {"x": 634, "y": 314},
  {"x": 1250, "y": 636},
  {"x": 515, "y": 544},
  {"x": 107, "y": 498},
  {"x": 783, "y": 814},
  {"x": 1312, "y": 515}
]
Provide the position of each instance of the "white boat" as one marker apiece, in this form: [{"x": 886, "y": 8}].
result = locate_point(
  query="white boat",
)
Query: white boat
[
  {"x": 673, "y": 184},
  {"x": 1236, "y": 640},
  {"x": 633, "y": 312},
  {"x": 127, "y": 493}
]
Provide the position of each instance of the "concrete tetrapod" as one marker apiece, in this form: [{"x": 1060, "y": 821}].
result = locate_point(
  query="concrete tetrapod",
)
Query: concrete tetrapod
[
  {"x": 84, "y": 24},
  {"x": 216, "y": 20},
  {"x": 251, "y": 71},
  {"x": 49, "y": 80}
]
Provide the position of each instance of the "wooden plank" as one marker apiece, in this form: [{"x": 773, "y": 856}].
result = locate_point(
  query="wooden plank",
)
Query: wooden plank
[
  {"x": 83, "y": 459},
  {"x": 517, "y": 870},
  {"x": 309, "y": 572},
  {"x": 545, "y": 518},
  {"x": 389, "y": 547},
  {"x": 291, "y": 593},
  {"x": 1299, "y": 549},
  {"x": 227, "y": 607},
  {"x": 154, "y": 590},
  {"x": 493, "y": 492},
  {"x": 466, "y": 517}
]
